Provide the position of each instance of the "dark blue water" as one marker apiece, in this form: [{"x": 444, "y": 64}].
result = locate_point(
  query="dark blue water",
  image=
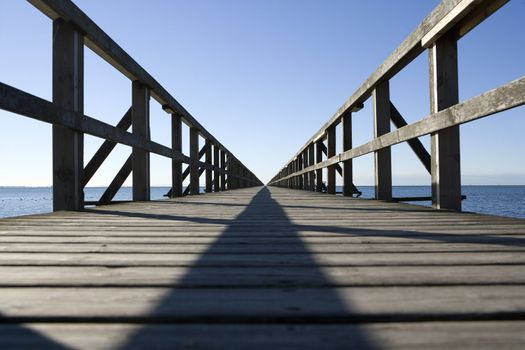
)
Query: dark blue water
[{"x": 496, "y": 200}]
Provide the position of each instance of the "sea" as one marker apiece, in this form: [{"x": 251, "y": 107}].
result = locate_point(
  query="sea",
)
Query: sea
[{"x": 496, "y": 200}]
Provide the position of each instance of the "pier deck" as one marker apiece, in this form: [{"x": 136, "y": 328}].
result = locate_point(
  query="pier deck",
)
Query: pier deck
[{"x": 262, "y": 268}]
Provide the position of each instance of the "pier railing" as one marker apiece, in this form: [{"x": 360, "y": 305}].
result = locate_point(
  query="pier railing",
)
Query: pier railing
[
  {"x": 438, "y": 35},
  {"x": 72, "y": 29}
]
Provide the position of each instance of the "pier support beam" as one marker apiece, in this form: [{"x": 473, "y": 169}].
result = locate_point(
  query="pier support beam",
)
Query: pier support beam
[
  {"x": 330, "y": 187},
  {"x": 445, "y": 150},
  {"x": 68, "y": 92},
  {"x": 348, "y": 176},
  {"x": 194, "y": 155},
  {"x": 140, "y": 126},
  {"x": 176, "y": 147},
  {"x": 383, "y": 161}
]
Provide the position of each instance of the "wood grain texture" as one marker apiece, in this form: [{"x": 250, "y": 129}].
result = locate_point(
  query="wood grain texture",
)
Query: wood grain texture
[{"x": 269, "y": 266}]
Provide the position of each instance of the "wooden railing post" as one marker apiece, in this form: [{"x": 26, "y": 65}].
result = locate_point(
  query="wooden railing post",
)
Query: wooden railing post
[
  {"x": 223, "y": 167},
  {"x": 207, "y": 160},
  {"x": 194, "y": 155},
  {"x": 68, "y": 92},
  {"x": 176, "y": 147},
  {"x": 311, "y": 161},
  {"x": 140, "y": 125},
  {"x": 305, "y": 165},
  {"x": 300, "y": 181},
  {"x": 319, "y": 172},
  {"x": 445, "y": 149},
  {"x": 348, "y": 180},
  {"x": 216, "y": 162},
  {"x": 330, "y": 187},
  {"x": 383, "y": 163}
]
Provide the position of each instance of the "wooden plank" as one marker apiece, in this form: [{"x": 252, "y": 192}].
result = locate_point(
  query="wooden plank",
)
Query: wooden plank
[
  {"x": 176, "y": 165},
  {"x": 117, "y": 182},
  {"x": 140, "y": 126},
  {"x": 104, "y": 150},
  {"x": 416, "y": 145},
  {"x": 258, "y": 276},
  {"x": 68, "y": 93},
  {"x": 445, "y": 148},
  {"x": 345, "y": 304},
  {"x": 269, "y": 260},
  {"x": 382, "y": 157},
  {"x": 410, "y": 335}
]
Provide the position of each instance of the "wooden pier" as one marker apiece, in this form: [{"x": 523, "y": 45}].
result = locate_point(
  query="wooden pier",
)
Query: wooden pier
[
  {"x": 262, "y": 268},
  {"x": 248, "y": 266}
]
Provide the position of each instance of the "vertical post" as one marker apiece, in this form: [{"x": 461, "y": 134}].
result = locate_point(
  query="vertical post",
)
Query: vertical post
[
  {"x": 348, "y": 180},
  {"x": 319, "y": 172},
  {"x": 223, "y": 167},
  {"x": 216, "y": 163},
  {"x": 68, "y": 92},
  {"x": 207, "y": 160},
  {"x": 331, "y": 152},
  {"x": 140, "y": 123},
  {"x": 445, "y": 149},
  {"x": 194, "y": 155},
  {"x": 311, "y": 161},
  {"x": 232, "y": 175},
  {"x": 383, "y": 163},
  {"x": 299, "y": 168},
  {"x": 305, "y": 165},
  {"x": 176, "y": 147}
]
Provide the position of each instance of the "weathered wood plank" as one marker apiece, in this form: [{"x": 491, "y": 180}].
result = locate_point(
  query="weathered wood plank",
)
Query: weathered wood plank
[
  {"x": 477, "y": 335},
  {"x": 345, "y": 304},
  {"x": 278, "y": 259},
  {"x": 259, "y": 276}
]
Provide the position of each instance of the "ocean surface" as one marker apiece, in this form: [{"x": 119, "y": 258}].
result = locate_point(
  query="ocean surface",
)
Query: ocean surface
[{"x": 495, "y": 200}]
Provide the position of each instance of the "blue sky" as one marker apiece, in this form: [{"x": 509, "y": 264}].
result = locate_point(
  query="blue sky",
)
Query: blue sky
[{"x": 263, "y": 76}]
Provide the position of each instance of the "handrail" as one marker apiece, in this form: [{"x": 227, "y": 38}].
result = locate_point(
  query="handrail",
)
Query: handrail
[
  {"x": 438, "y": 33},
  {"x": 75, "y": 29}
]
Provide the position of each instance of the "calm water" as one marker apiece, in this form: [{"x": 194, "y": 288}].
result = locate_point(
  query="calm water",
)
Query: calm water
[{"x": 497, "y": 200}]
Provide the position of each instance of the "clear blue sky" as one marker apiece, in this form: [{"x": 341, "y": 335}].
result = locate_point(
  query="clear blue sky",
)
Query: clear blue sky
[{"x": 263, "y": 76}]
